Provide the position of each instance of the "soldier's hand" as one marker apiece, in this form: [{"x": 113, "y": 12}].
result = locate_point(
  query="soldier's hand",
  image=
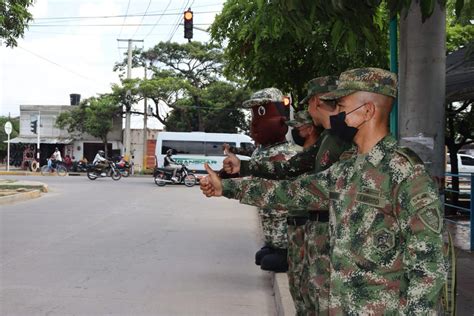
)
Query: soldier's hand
[
  {"x": 231, "y": 163},
  {"x": 206, "y": 186},
  {"x": 212, "y": 184}
]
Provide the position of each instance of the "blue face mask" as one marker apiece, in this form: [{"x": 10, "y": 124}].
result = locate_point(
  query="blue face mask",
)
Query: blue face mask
[{"x": 340, "y": 128}]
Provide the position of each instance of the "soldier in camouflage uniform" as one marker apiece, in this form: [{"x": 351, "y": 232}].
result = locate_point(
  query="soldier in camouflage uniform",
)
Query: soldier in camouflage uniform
[
  {"x": 308, "y": 240},
  {"x": 268, "y": 129},
  {"x": 385, "y": 212}
]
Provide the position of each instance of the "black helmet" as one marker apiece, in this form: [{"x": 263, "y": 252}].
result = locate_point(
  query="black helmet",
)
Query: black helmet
[
  {"x": 169, "y": 152},
  {"x": 101, "y": 152}
]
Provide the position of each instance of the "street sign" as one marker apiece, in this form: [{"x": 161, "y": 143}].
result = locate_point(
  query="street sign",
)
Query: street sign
[{"x": 8, "y": 128}]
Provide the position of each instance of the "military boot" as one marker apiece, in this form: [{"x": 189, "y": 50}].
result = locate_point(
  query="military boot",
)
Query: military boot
[
  {"x": 276, "y": 261},
  {"x": 265, "y": 250}
]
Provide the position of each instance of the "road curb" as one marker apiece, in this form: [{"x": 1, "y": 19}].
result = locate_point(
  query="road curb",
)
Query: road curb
[
  {"x": 17, "y": 197},
  {"x": 283, "y": 300}
]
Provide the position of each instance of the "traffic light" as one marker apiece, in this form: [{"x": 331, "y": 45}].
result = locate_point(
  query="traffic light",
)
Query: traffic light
[
  {"x": 188, "y": 24},
  {"x": 34, "y": 126}
]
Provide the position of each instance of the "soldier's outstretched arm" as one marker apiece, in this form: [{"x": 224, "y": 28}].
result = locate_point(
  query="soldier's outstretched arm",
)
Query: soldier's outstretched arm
[
  {"x": 421, "y": 222},
  {"x": 269, "y": 168},
  {"x": 308, "y": 191}
]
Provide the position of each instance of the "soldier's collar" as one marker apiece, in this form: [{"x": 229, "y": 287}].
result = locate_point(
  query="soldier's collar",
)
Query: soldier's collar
[
  {"x": 275, "y": 144},
  {"x": 379, "y": 151}
]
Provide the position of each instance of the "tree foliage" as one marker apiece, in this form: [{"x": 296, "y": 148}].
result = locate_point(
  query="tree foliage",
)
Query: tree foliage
[
  {"x": 14, "y": 18},
  {"x": 184, "y": 78},
  {"x": 264, "y": 49},
  {"x": 93, "y": 116},
  {"x": 353, "y": 19},
  {"x": 459, "y": 29},
  {"x": 3, "y": 136}
]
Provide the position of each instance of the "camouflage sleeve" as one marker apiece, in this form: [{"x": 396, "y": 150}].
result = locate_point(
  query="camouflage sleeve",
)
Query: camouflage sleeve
[
  {"x": 330, "y": 151},
  {"x": 419, "y": 209},
  {"x": 268, "y": 168},
  {"x": 309, "y": 191}
]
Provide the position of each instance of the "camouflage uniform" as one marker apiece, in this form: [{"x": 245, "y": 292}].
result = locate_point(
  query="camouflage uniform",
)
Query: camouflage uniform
[
  {"x": 385, "y": 221},
  {"x": 274, "y": 223},
  {"x": 308, "y": 244}
]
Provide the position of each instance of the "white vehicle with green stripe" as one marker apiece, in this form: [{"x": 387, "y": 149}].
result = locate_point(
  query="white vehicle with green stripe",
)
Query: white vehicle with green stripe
[{"x": 193, "y": 149}]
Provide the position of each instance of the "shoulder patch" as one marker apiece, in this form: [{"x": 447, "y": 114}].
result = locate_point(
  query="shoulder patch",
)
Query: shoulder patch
[
  {"x": 347, "y": 155},
  {"x": 431, "y": 217},
  {"x": 410, "y": 155}
]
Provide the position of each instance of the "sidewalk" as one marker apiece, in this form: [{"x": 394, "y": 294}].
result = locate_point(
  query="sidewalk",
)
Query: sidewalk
[{"x": 465, "y": 279}]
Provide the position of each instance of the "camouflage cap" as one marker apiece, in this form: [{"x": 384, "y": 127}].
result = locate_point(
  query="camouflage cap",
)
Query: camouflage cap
[
  {"x": 320, "y": 85},
  {"x": 301, "y": 118},
  {"x": 364, "y": 79},
  {"x": 264, "y": 96}
]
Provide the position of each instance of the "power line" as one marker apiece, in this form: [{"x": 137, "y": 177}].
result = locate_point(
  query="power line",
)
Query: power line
[
  {"x": 54, "y": 63},
  {"x": 117, "y": 16},
  {"x": 156, "y": 23},
  {"x": 177, "y": 22},
  {"x": 95, "y": 25},
  {"x": 125, "y": 18},
  {"x": 141, "y": 21}
]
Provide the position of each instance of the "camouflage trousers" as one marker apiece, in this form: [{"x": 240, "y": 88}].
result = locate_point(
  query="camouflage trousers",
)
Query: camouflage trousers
[
  {"x": 315, "y": 279},
  {"x": 274, "y": 228},
  {"x": 296, "y": 237}
]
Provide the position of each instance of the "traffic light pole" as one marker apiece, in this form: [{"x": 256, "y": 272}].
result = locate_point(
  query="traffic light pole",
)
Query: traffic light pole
[{"x": 38, "y": 129}]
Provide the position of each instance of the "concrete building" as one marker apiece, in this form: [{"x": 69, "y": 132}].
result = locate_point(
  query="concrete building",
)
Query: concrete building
[
  {"x": 50, "y": 136},
  {"x": 137, "y": 148}
]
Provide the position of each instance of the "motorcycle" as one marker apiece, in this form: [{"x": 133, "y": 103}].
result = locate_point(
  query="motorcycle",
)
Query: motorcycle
[
  {"x": 123, "y": 168},
  {"x": 81, "y": 166},
  {"x": 110, "y": 171},
  {"x": 163, "y": 176}
]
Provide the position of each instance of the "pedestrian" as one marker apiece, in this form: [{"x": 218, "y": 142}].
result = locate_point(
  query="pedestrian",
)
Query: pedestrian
[
  {"x": 308, "y": 252},
  {"x": 385, "y": 212},
  {"x": 57, "y": 155}
]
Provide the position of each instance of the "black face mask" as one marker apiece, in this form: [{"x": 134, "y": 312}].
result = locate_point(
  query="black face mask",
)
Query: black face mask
[
  {"x": 296, "y": 137},
  {"x": 340, "y": 128}
]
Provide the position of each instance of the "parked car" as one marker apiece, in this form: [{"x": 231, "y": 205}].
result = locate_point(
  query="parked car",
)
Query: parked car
[{"x": 465, "y": 163}]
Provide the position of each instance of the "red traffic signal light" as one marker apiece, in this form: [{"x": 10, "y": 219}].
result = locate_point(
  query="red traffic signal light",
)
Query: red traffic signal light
[{"x": 188, "y": 24}]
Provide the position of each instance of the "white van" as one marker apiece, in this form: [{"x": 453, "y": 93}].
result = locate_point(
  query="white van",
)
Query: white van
[
  {"x": 465, "y": 163},
  {"x": 196, "y": 148}
]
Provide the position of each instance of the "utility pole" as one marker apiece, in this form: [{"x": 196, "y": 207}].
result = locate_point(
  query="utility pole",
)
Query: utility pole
[
  {"x": 127, "y": 138},
  {"x": 422, "y": 76},
  {"x": 145, "y": 138}
]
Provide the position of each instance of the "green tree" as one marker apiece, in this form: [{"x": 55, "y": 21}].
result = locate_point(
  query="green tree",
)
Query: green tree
[
  {"x": 183, "y": 78},
  {"x": 93, "y": 116},
  {"x": 220, "y": 110},
  {"x": 14, "y": 18},
  {"x": 459, "y": 29},
  {"x": 263, "y": 49},
  {"x": 353, "y": 19},
  {"x": 3, "y": 136}
]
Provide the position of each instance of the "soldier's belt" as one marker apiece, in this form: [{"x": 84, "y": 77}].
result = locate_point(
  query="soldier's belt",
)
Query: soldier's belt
[
  {"x": 319, "y": 216},
  {"x": 296, "y": 220}
]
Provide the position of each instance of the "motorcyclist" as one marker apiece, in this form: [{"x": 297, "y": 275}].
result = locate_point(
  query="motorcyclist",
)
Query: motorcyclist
[
  {"x": 122, "y": 162},
  {"x": 171, "y": 164},
  {"x": 100, "y": 162}
]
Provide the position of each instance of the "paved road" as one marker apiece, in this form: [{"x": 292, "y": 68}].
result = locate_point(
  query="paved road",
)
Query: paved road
[{"x": 129, "y": 248}]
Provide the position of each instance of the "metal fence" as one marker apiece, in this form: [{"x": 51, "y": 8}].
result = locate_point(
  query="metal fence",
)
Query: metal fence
[{"x": 465, "y": 194}]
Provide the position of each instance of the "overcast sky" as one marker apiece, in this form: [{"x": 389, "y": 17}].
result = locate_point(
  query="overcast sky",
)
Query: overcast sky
[{"x": 68, "y": 50}]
